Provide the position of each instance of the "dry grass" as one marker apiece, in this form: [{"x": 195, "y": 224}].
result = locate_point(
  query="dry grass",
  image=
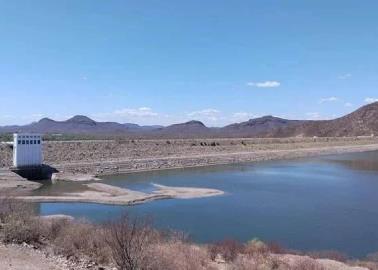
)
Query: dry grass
[{"x": 176, "y": 255}]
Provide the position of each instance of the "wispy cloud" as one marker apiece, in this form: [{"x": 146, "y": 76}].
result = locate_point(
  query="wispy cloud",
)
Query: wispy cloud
[
  {"x": 265, "y": 84},
  {"x": 344, "y": 76},
  {"x": 328, "y": 99},
  {"x": 371, "y": 100},
  {"x": 348, "y": 104}
]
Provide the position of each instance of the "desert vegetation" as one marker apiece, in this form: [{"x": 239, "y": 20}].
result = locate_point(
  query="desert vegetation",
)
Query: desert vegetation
[{"x": 131, "y": 242}]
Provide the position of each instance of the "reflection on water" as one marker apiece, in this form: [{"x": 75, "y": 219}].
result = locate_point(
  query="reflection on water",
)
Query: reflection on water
[
  {"x": 320, "y": 203},
  {"x": 359, "y": 161}
]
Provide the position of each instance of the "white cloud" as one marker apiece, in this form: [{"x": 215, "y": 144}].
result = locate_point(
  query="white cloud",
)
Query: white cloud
[
  {"x": 344, "y": 76},
  {"x": 140, "y": 112},
  {"x": 328, "y": 99},
  {"x": 371, "y": 100},
  {"x": 313, "y": 115},
  {"x": 266, "y": 84},
  {"x": 142, "y": 115},
  {"x": 348, "y": 104},
  {"x": 208, "y": 114}
]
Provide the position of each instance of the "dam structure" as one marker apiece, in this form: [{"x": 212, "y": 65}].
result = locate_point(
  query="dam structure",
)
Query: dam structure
[
  {"x": 27, "y": 150},
  {"x": 28, "y": 156}
]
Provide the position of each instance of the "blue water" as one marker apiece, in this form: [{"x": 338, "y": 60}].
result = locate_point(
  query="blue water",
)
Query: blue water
[{"x": 309, "y": 204}]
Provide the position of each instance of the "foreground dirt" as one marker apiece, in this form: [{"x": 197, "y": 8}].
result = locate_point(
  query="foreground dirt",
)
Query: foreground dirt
[{"x": 25, "y": 257}]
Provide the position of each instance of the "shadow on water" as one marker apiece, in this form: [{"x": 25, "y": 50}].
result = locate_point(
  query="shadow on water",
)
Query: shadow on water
[{"x": 42, "y": 172}]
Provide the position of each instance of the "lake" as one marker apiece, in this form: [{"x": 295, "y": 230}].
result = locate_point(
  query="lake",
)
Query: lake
[{"x": 321, "y": 203}]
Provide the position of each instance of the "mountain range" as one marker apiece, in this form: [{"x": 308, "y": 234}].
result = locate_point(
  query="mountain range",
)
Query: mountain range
[{"x": 362, "y": 122}]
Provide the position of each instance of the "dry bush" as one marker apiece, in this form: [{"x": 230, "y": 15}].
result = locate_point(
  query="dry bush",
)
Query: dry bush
[
  {"x": 54, "y": 227},
  {"x": 228, "y": 249},
  {"x": 307, "y": 264},
  {"x": 74, "y": 239},
  {"x": 17, "y": 222},
  {"x": 128, "y": 239},
  {"x": 276, "y": 248},
  {"x": 176, "y": 256},
  {"x": 329, "y": 254},
  {"x": 256, "y": 247}
]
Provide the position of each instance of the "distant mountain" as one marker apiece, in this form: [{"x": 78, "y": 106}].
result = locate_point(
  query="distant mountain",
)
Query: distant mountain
[
  {"x": 191, "y": 129},
  {"x": 362, "y": 122},
  {"x": 258, "y": 126}
]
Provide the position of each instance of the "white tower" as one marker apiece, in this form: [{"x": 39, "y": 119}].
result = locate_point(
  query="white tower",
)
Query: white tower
[{"x": 27, "y": 150}]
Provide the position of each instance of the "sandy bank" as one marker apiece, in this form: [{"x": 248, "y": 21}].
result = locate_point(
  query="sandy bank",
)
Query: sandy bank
[{"x": 106, "y": 194}]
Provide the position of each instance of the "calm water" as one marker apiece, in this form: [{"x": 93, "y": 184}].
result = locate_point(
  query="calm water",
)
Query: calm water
[{"x": 310, "y": 204}]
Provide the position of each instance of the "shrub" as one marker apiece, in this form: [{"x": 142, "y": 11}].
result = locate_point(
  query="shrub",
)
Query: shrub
[
  {"x": 228, "y": 249},
  {"x": 128, "y": 240},
  {"x": 74, "y": 239}
]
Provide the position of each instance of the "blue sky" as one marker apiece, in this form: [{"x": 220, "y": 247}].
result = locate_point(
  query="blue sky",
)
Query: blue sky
[{"x": 163, "y": 62}]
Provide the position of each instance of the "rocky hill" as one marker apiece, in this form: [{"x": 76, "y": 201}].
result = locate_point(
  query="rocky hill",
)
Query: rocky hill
[{"x": 363, "y": 122}]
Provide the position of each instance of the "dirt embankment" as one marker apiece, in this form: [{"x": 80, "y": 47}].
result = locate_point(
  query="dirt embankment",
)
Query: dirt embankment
[
  {"x": 6, "y": 155},
  {"x": 107, "y": 157}
]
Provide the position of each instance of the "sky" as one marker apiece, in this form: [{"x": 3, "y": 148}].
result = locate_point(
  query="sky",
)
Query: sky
[{"x": 164, "y": 62}]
